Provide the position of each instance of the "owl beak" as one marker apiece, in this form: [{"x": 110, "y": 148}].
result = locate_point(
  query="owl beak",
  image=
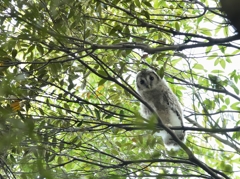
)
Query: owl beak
[{"x": 148, "y": 86}]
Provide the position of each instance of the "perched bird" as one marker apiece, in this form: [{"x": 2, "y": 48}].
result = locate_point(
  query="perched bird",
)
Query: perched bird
[{"x": 155, "y": 92}]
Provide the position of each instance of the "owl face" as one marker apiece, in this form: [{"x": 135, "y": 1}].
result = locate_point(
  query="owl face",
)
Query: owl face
[{"x": 146, "y": 80}]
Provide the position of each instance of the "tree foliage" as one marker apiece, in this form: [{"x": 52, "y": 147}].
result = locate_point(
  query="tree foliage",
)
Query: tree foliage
[{"x": 68, "y": 106}]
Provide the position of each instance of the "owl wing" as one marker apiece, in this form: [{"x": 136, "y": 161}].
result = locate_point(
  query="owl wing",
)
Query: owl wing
[{"x": 173, "y": 104}]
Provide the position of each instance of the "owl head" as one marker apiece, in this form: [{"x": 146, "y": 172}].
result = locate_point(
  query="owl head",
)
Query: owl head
[{"x": 146, "y": 80}]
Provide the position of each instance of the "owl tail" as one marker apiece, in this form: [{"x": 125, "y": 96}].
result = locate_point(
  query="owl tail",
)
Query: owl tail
[{"x": 169, "y": 143}]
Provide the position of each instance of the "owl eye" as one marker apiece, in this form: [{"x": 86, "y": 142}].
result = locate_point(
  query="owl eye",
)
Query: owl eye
[
  {"x": 151, "y": 78},
  {"x": 142, "y": 82}
]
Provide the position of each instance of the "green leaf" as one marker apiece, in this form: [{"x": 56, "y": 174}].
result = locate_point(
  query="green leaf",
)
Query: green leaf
[
  {"x": 14, "y": 53},
  {"x": 30, "y": 49},
  {"x": 102, "y": 72},
  {"x": 217, "y": 71},
  {"x": 223, "y": 108},
  {"x": 234, "y": 87},
  {"x": 205, "y": 31},
  {"x": 126, "y": 30},
  {"x": 213, "y": 56},
  {"x": 223, "y": 63},
  {"x": 226, "y": 31},
  {"x": 71, "y": 84},
  {"x": 175, "y": 61},
  {"x": 236, "y": 52},
  {"x": 228, "y": 60},
  {"x": 227, "y": 101},
  {"x": 216, "y": 62},
  {"x": 177, "y": 26},
  {"x": 115, "y": 30},
  {"x": 101, "y": 82},
  {"x": 121, "y": 115},
  {"x": 41, "y": 111},
  {"x": 228, "y": 168},
  {"x": 222, "y": 48},
  {"x": 12, "y": 158},
  {"x": 161, "y": 72},
  {"x": 208, "y": 49},
  {"x": 236, "y": 106},
  {"x": 97, "y": 113},
  {"x": 51, "y": 158},
  {"x": 147, "y": 3},
  {"x": 3, "y": 53},
  {"x": 137, "y": 2},
  {"x": 115, "y": 152},
  {"x": 128, "y": 77},
  {"x": 198, "y": 66},
  {"x": 146, "y": 14},
  {"x": 40, "y": 49}
]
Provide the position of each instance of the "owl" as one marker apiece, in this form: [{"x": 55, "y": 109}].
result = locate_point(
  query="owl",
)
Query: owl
[{"x": 163, "y": 101}]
